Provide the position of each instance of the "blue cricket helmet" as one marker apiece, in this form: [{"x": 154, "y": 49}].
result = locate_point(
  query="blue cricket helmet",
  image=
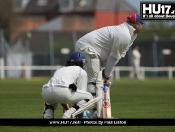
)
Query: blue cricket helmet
[{"x": 77, "y": 58}]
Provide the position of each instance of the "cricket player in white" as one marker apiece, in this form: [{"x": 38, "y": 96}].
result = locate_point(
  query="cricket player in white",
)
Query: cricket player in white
[
  {"x": 67, "y": 86},
  {"x": 109, "y": 45},
  {"x": 136, "y": 56}
]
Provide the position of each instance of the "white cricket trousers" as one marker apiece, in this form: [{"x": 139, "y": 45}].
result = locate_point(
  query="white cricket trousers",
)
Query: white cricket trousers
[
  {"x": 63, "y": 95},
  {"x": 93, "y": 66},
  {"x": 136, "y": 71}
]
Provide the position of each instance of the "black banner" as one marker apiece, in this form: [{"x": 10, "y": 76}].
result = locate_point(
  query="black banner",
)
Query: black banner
[
  {"x": 87, "y": 122},
  {"x": 162, "y": 10}
]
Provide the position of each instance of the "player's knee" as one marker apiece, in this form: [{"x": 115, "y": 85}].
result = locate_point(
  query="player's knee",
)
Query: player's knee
[{"x": 91, "y": 88}]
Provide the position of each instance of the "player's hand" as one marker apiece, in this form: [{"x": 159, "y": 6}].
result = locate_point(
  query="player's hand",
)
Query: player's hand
[
  {"x": 106, "y": 78},
  {"x": 107, "y": 84}
]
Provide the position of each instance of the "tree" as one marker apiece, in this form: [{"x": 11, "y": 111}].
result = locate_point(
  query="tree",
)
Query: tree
[
  {"x": 165, "y": 30},
  {"x": 7, "y": 16}
]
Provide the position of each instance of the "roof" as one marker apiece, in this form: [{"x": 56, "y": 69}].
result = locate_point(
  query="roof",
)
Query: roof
[
  {"x": 54, "y": 5},
  {"x": 34, "y": 6},
  {"x": 114, "y": 5},
  {"x": 53, "y": 25},
  {"x": 79, "y": 6}
]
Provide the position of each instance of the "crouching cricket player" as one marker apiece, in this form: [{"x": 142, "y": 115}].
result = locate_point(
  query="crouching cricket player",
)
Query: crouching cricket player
[{"x": 68, "y": 86}]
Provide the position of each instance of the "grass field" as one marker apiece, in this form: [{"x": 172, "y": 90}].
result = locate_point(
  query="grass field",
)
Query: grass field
[{"x": 130, "y": 99}]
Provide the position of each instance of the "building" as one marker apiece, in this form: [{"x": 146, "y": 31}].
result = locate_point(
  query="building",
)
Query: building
[{"x": 75, "y": 15}]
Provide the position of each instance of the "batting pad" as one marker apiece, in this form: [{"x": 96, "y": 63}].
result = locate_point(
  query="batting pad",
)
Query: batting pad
[{"x": 88, "y": 105}]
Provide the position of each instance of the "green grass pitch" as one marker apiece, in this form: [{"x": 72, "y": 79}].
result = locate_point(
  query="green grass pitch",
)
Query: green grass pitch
[{"x": 129, "y": 98}]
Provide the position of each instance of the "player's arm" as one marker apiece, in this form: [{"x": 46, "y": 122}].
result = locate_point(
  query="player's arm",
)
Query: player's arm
[
  {"x": 110, "y": 64},
  {"x": 119, "y": 48}
]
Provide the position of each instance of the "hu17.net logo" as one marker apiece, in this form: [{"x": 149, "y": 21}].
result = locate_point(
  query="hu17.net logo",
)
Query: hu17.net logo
[{"x": 157, "y": 10}]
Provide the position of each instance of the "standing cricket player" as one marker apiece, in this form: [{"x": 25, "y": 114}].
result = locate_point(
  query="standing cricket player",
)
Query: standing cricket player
[
  {"x": 68, "y": 86},
  {"x": 108, "y": 44},
  {"x": 135, "y": 59}
]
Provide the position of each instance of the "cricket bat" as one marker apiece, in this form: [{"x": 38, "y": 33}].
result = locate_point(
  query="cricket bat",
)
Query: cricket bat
[{"x": 106, "y": 103}]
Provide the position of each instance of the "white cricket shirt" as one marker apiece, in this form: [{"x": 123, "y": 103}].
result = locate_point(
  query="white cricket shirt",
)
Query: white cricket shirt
[
  {"x": 136, "y": 57},
  {"x": 68, "y": 75},
  {"x": 112, "y": 40}
]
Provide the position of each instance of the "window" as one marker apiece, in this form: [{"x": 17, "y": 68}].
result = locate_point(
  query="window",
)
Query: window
[
  {"x": 24, "y": 3},
  {"x": 42, "y": 2},
  {"x": 66, "y": 5},
  {"x": 19, "y": 5},
  {"x": 82, "y": 3}
]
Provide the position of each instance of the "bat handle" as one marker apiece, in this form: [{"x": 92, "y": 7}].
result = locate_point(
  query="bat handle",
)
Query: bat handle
[{"x": 105, "y": 88}]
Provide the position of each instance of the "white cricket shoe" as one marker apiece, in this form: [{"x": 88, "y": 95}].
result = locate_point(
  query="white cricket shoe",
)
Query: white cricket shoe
[{"x": 48, "y": 112}]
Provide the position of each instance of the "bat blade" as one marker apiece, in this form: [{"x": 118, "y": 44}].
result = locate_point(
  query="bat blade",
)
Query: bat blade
[{"x": 106, "y": 103}]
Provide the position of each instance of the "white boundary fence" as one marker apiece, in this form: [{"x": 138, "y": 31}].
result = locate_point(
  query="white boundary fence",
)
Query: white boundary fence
[
  {"x": 169, "y": 71},
  {"x": 116, "y": 74},
  {"x": 2, "y": 72},
  {"x": 27, "y": 69}
]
